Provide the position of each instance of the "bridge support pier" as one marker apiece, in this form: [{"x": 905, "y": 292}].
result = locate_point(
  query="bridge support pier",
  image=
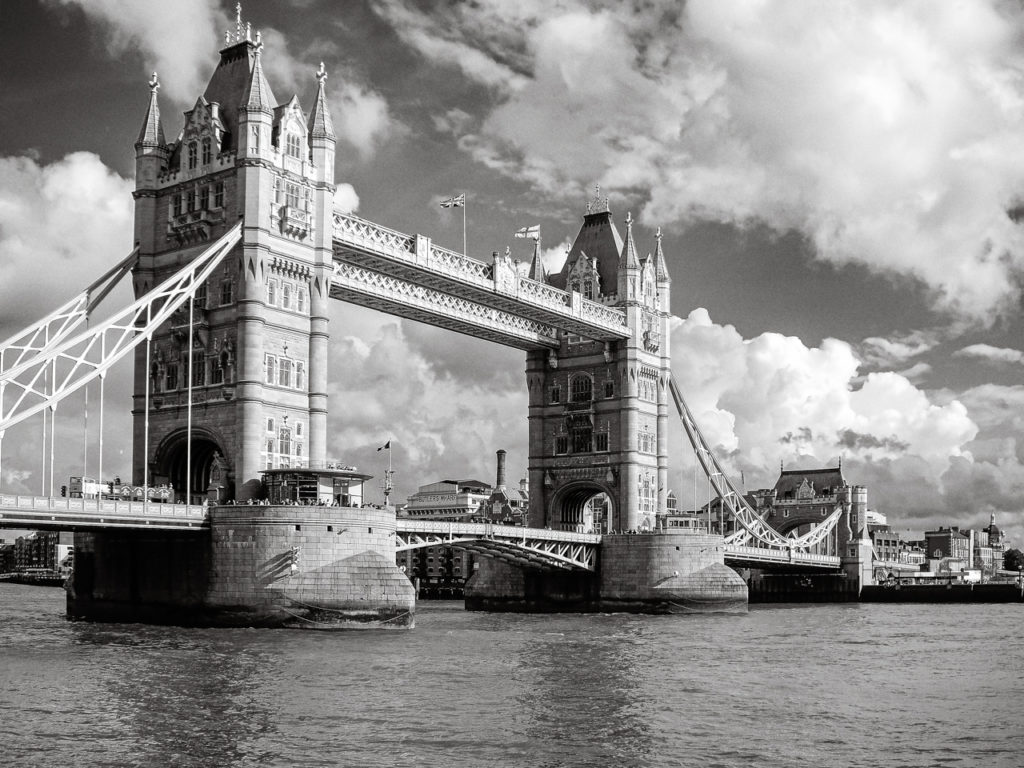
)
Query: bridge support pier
[
  {"x": 637, "y": 573},
  {"x": 299, "y": 566}
]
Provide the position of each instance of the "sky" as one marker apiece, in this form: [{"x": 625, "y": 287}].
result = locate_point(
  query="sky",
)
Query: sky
[{"x": 839, "y": 186}]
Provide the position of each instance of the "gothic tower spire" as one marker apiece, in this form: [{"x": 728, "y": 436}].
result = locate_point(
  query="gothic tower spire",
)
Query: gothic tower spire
[
  {"x": 320, "y": 124},
  {"x": 537, "y": 270},
  {"x": 151, "y": 136}
]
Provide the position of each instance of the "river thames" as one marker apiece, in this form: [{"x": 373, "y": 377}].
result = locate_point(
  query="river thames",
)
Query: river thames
[{"x": 796, "y": 685}]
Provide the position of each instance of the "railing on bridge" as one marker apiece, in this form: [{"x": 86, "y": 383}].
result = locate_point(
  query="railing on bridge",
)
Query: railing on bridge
[
  {"x": 49, "y": 513},
  {"x": 740, "y": 554},
  {"x": 469, "y": 278}
]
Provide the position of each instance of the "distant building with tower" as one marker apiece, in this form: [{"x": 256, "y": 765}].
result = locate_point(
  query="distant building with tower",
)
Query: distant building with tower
[{"x": 802, "y": 499}]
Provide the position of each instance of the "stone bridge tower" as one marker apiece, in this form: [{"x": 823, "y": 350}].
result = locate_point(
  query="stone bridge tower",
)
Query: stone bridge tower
[
  {"x": 254, "y": 354},
  {"x": 598, "y": 421}
]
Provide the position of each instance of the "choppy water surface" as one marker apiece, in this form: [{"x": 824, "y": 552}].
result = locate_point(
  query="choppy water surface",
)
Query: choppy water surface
[{"x": 833, "y": 685}]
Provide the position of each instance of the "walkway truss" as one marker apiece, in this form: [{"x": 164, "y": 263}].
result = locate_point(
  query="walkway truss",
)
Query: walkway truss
[
  {"x": 754, "y": 540},
  {"x": 526, "y": 547}
]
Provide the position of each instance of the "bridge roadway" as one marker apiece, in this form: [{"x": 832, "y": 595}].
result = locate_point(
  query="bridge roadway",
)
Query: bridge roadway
[
  {"x": 529, "y": 547},
  {"x": 41, "y": 513}
]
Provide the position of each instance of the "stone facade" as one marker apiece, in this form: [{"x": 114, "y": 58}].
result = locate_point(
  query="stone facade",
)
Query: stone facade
[
  {"x": 303, "y": 566},
  {"x": 598, "y": 412},
  {"x": 804, "y": 498},
  {"x": 637, "y": 573},
  {"x": 254, "y": 343}
]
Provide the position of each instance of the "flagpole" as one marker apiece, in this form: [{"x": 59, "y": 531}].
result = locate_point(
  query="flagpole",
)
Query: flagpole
[{"x": 465, "y": 205}]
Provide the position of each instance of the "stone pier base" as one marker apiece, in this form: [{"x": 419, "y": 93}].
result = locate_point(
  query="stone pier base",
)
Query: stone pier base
[
  {"x": 637, "y": 573},
  {"x": 309, "y": 567}
]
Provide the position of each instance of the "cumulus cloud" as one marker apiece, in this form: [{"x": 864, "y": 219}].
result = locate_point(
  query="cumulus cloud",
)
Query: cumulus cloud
[
  {"x": 420, "y": 392},
  {"x": 175, "y": 39},
  {"x": 995, "y": 355},
  {"x": 887, "y": 134},
  {"x": 928, "y": 458},
  {"x": 345, "y": 199},
  {"x": 879, "y": 352},
  {"x": 75, "y": 217}
]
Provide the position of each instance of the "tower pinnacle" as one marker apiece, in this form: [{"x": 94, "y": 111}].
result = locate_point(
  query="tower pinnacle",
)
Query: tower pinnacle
[
  {"x": 320, "y": 123},
  {"x": 152, "y": 133}
]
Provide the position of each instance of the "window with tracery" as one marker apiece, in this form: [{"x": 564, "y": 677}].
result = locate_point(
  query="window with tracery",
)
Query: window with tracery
[{"x": 582, "y": 389}]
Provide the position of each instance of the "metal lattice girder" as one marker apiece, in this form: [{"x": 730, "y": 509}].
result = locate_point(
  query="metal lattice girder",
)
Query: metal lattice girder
[
  {"x": 529, "y": 547},
  {"x": 418, "y": 302},
  {"x": 753, "y": 525},
  {"x": 59, "y": 324},
  {"x": 75, "y": 361},
  {"x": 416, "y": 260}
]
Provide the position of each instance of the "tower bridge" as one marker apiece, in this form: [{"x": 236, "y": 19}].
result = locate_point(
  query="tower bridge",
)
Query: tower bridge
[{"x": 238, "y": 254}]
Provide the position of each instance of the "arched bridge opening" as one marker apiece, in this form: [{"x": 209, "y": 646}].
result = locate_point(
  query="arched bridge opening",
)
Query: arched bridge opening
[{"x": 201, "y": 476}]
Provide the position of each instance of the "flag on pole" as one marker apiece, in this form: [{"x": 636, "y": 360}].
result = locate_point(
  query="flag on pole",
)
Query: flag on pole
[
  {"x": 533, "y": 232},
  {"x": 385, "y": 447},
  {"x": 454, "y": 202}
]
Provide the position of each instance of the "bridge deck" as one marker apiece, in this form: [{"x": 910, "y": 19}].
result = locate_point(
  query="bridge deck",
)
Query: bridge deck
[
  {"x": 39, "y": 513},
  {"x": 373, "y": 262}
]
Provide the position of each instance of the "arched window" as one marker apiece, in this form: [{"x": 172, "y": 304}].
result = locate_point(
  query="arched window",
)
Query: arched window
[
  {"x": 575, "y": 286},
  {"x": 193, "y": 151},
  {"x": 582, "y": 389},
  {"x": 293, "y": 145},
  {"x": 272, "y": 292},
  {"x": 285, "y": 440},
  {"x": 588, "y": 289},
  {"x": 206, "y": 151}
]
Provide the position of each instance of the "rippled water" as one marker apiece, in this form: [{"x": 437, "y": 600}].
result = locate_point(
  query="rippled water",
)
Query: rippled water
[{"x": 815, "y": 685}]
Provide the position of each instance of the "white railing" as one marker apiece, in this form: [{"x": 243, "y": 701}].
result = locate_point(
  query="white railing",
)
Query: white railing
[
  {"x": 108, "y": 507},
  {"x": 763, "y": 554}
]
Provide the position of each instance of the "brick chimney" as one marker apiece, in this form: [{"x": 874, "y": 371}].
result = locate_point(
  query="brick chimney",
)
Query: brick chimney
[{"x": 499, "y": 485}]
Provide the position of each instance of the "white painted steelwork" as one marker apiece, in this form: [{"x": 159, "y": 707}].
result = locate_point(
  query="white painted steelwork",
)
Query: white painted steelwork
[
  {"x": 78, "y": 360},
  {"x": 529, "y": 547},
  {"x": 59, "y": 324},
  {"x": 753, "y": 526}
]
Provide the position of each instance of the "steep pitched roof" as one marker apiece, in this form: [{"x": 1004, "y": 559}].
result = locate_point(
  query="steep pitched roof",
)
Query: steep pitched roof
[
  {"x": 231, "y": 85},
  {"x": 598, "y": 238},
  {"x": 791, "y": 479}
]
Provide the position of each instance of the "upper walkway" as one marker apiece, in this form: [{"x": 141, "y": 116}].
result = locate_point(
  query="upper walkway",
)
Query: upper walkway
[{"x": 409, "y": 276}]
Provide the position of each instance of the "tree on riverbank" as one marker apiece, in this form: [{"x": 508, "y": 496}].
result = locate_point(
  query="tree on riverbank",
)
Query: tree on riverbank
[{"x": 1013, "y": 560}]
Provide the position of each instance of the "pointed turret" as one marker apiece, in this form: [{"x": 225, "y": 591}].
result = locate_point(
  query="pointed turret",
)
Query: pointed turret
[
  {"x": 537, "y": 270},
  {"x": 660, "y": 268},
  {"x": 152, "y": 133},
  {"x": 320, "y": 123},
  {"x": 257, "y": 95},
  {"x": 629, "y": 266},
  {"x": 321, "y": 138}
]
